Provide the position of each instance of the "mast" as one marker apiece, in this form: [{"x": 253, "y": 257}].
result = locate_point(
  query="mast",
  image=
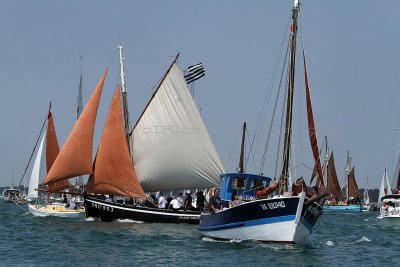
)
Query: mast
[
  {"x": 326, "y": 163},
  {"x": 347, "y": 169},
  {"x": 289, "y": 104},
  {"x": 241, "y": 161},
  {"x": 124, "y": 94},
  {"x": 79, "y": 106}
]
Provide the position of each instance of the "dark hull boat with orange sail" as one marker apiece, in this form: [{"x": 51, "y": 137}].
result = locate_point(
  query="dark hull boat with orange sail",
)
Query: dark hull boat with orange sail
[{"x": 178, "y": 156}]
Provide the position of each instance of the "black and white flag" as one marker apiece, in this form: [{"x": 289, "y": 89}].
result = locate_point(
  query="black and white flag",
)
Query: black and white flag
[{"x": 194, "y": 72}]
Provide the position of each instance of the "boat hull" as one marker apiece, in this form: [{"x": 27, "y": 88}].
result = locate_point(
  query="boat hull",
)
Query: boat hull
[
  {"x": 55, "y": 211},
  {"x": 109, "y": 211},
  {"x": 389, "y": 220},
  {"x": 347, "y": 208},
  {"x": 283, "y": 220}
]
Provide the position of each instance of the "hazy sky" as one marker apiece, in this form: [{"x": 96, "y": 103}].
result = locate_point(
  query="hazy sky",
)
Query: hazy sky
[{"x": 351, "y": 46}]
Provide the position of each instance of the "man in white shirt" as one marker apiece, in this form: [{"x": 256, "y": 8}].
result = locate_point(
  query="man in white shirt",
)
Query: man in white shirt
[
  {"x": 174, "y": 205},
  {"x": 161, "y": 201}
]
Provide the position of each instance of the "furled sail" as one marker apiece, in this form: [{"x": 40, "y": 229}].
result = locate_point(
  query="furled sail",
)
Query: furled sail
[
  {"x": 333, "y": 182},
  {"x": 113, "y": 170},
  {"x": 312, "y": 131},
  {"x": 353, "y": 187},
  {"x": 36, "y": 171},
  {"x": 52, "y": 151},
  {"x": 172, "y": 149},
  {"x": 75, "y": 157}
]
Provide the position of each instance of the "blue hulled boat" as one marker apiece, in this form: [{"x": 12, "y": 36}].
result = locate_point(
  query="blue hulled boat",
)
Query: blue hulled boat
[{"x": 287, "y": 217}]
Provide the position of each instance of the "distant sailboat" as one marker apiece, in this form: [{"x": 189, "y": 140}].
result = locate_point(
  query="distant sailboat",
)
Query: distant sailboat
[
  {"x": 389, "y": 202},
  {"x": 367, "y": 203},
  {"x": 337, "y": 201}
]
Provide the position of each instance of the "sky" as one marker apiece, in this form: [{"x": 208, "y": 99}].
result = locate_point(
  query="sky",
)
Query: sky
[{"x": 352, "y": 58}]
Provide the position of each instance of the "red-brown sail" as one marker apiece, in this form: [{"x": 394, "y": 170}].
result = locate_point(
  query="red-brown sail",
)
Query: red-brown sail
[
  {"x": 52, "y": 150},
  {"x": 353, "y": 187},
  {"x": 113, "y": 169},
  {"x": 75, "y": 157},
  {"x": 333, "y": 182},
  {"x": 311, "y": 129}
]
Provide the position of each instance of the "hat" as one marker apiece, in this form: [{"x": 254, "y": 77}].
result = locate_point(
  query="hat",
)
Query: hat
[{"x": 188, "y": 191}]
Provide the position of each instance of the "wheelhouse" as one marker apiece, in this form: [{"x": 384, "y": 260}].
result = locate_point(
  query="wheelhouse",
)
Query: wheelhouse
[{"x": 244, "y": 184}]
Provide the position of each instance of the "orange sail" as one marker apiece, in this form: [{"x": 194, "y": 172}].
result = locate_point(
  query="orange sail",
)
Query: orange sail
[
  {"x": 353, "y": 187},
  {"x": 311, "y": 130},
  {"x": 333, "y": 182},
  {"x": 113, "y": 169},
  {"x": 75, "y": 157},
  {"x": 52, "y": 150}
]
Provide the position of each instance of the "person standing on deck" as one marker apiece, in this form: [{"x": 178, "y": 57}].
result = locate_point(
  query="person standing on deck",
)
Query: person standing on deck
[{"x": 215, "y": 202}]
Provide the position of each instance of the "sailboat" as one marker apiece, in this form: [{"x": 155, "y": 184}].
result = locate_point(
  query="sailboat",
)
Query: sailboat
[
  {"x": 169, "y": 145},
  {"x": 367, "y": 203},
  {"x": 286, "y": 217},
  {"x": 389, "y": 203},
  {"x": 336, "y": 200},
  {"x": 46, "y": 154}
]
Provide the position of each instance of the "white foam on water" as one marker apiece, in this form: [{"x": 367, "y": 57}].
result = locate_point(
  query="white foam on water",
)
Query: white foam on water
[
  {"x": 128, "y": 221},
  {"x": 90, "y": 219},
  {"x": 363, "y": 239},
  {"x": 329, "y": 243},
  {"x": 365, "y": 220},
  {"x": 208, "y": 239}
]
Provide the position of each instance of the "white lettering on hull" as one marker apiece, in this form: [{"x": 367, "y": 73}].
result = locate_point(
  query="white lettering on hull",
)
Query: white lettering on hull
[{"x": 273, "y": 205}]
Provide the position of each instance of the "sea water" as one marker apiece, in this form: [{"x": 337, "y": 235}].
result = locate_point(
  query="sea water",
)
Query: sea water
[{"x": 348, "y": 239}]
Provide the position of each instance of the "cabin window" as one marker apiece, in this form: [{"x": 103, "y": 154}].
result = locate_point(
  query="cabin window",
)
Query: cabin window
[
  {"x": 239, "y": 183},
  {"x": 257, "y": 184}
]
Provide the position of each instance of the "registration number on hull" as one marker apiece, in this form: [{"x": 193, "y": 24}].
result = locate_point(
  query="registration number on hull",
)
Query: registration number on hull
[
  {"x": 102, "y": 207},
  {"x": 273, "y": 205}
]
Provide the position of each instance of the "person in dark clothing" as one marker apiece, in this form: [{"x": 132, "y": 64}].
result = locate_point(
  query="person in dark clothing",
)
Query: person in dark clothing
[
  {"x": 215, "y": 202},
  {"x": 188, "y": 201},
  {"x": 200, "y": 200},
  {"x": 65, "y": 200},
  {"x": 169, "y": 199}
]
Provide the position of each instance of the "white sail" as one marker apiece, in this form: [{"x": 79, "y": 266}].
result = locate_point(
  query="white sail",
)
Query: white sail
[
  {"x": 172, "y": 149},
  {"x": 382, "y": 188},
  {"x": 36, "y": 172}
]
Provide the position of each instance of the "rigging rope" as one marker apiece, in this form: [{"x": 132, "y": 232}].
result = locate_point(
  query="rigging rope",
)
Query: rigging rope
[
  {"x": 261, "y": 118},
  {"x": 273, "y": 113}
]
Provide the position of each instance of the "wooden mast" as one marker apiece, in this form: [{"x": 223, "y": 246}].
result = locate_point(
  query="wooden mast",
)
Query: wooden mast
[
  {"x": 289, "y": 105},
  {"x": 241, "y": 160},
  {"x": 124, "y": 94}
]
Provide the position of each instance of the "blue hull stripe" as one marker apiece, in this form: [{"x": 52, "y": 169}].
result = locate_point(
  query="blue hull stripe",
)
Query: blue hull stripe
[{"x": 250, "y": 223}]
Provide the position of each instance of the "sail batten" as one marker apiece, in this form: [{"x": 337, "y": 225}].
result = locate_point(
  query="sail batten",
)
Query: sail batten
[
  {"x": 113, "y": 170},
  {"x": 172, "y": 149},
  {"x": 75, "y": 158}
]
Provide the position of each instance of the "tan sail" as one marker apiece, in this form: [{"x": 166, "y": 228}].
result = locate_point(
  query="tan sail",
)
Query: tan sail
[
  {"x": 52, "y": 151},
  {"x": 75, "y": 157},
  {"x": 113, "y": 169},
  {"x": 353, "y": 187},
  {"x": 333, "y": 182}
]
